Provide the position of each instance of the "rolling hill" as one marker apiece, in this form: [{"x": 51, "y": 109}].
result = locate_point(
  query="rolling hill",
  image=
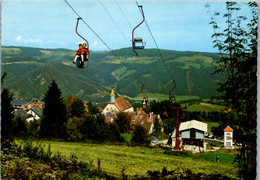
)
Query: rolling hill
[{"x": 30, "y": 71}]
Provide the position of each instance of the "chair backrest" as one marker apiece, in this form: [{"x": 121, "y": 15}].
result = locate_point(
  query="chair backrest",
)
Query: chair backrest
[{"x": 138, "y": 40}]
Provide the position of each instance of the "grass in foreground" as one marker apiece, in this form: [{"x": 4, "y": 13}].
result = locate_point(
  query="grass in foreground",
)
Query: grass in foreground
[{"x": 138, "y": 160}]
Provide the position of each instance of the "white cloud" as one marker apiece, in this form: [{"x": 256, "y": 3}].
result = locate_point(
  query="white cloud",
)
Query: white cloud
[
  {"x": 18, "y": 38},
  {"x": 34, "y": 41},
  {"x": 97, "y": 46}
]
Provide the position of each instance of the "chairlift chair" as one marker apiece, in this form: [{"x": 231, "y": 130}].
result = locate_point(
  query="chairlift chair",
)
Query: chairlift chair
[
  {"x": 172, "y": 97},
  {"x": 80, "y": 63},
  {"x": 137, "y": 42}
]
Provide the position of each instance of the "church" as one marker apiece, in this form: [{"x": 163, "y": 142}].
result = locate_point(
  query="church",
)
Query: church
[{"x": 117, "y": 105}]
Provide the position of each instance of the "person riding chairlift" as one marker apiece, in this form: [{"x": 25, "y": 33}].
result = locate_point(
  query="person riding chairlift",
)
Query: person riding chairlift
[
  {"x": 86, "y": 52},
  {"x": 144, "y": 102},
  {"x": 81, "y": 52}
]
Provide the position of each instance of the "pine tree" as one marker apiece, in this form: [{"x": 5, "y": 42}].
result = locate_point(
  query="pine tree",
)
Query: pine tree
[
  {"x": 6, "y": 116},
  {"x": 53, "y": 122}
]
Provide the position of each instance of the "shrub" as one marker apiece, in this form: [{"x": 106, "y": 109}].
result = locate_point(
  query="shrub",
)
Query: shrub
[{"x": 140, "y": 135}]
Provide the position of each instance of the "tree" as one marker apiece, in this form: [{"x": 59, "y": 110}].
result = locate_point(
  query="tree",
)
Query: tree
[
  {"x": 123, "y": 122},
  {"x": 54, "y": 118},
  {"x": 92, "y": 109},
  {"x": 75, "y": 106},
  {"x": 73, "y": 126},
  {"x": 90, "y": 128},
  {"x": 6, "y": 116},
  {"x": 19, "y": 126},
  {"x": 157, "y": 126},
  {"x": 140, "y": 135},
  {"x": 169, "y": 125},
  {"x": 238, "y": 49}
]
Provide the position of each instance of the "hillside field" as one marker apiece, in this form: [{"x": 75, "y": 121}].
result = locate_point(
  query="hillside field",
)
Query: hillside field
[{"x": 138, "y": 160}]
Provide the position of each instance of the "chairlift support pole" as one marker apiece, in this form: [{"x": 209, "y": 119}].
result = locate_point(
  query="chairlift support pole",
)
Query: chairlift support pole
[{"x": 177, "y": 144}]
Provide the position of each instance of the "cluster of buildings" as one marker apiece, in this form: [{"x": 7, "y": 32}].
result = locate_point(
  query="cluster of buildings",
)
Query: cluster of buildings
[
  {"x": 29, "y": 109},
  {"x": 191, "y": 133},
  {"x": 137, "y": 117}
]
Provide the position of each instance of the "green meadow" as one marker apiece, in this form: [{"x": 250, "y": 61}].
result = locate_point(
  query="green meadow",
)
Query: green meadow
[
  {"x": 138, "y": 160},
  {"x": 207, "y": 107}
]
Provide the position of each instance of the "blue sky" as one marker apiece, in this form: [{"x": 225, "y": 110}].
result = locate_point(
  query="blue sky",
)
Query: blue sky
[{"x": 51, "y": 24}]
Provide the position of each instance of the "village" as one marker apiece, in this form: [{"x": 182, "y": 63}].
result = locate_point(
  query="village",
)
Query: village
[{"x": 193, "y": 134}]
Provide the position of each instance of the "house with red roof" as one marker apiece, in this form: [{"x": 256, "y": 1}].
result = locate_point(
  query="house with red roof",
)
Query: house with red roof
[
  {"x": 117, "y": 105},
  {"x": 139, "y": 117}
]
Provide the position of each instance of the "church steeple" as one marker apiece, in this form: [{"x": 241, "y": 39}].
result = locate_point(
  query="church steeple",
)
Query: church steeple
[{"x": 112, "y": 96}]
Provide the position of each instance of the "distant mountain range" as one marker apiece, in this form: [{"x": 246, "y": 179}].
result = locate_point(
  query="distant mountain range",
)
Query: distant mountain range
[{"x": 30, "y": 71}]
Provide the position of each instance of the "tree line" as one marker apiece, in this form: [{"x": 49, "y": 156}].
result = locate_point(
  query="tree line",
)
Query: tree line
[{"x": 69, "y": 119}]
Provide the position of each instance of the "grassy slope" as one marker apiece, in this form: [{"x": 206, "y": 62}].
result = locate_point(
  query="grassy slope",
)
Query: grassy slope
[
  {"x": 138, "y": 160},
  {"x": 205, "y": 107}
]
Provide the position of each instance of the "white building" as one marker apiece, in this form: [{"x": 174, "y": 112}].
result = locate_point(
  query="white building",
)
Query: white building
[
  {"x": 117, "y": 105},
  {"x": 228, "y": 137},
  {"x": 192, "y": 133}
]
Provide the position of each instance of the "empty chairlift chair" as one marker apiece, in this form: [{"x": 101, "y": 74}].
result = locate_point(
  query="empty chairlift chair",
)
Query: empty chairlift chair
[{"x": 137, "y": 42}]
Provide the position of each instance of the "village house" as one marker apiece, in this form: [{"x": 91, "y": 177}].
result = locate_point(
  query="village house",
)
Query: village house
[
  {"x": 192, "y": 135},
  {"x": 35, "y": 113},
  {"x": 19, "y": 103},
  {"x": 139, "y": 117},
  {"x": 34, "y": 104},
  {"x": 117, "y": 105},
  {"x": 31, "y": 110}
]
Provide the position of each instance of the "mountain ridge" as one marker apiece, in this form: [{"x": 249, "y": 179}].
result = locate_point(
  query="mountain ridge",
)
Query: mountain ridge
[{"x": 30, "y": 70}]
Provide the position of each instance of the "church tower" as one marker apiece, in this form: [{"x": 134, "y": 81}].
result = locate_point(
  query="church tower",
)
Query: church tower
[{"x": 112, "y": 96}]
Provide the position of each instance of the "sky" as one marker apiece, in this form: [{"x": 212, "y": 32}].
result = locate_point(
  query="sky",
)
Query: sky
[{"x": 182, "y": 26}]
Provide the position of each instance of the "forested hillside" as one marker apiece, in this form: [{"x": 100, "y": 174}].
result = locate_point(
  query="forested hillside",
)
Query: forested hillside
[{"x": 30, "y": 71}]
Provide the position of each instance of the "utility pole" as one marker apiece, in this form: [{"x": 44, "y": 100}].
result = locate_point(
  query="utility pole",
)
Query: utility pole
[{"x": 177, "y": 144}]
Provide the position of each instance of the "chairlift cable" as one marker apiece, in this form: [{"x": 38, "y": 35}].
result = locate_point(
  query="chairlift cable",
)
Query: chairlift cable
[
  {"x": 160, "y": 53},
  {"x": 157, "y": 46},
  {"x": 124, "y": 15},
  {"x": 104, "y": 42},
  {"x": 113, "y": 20}
]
